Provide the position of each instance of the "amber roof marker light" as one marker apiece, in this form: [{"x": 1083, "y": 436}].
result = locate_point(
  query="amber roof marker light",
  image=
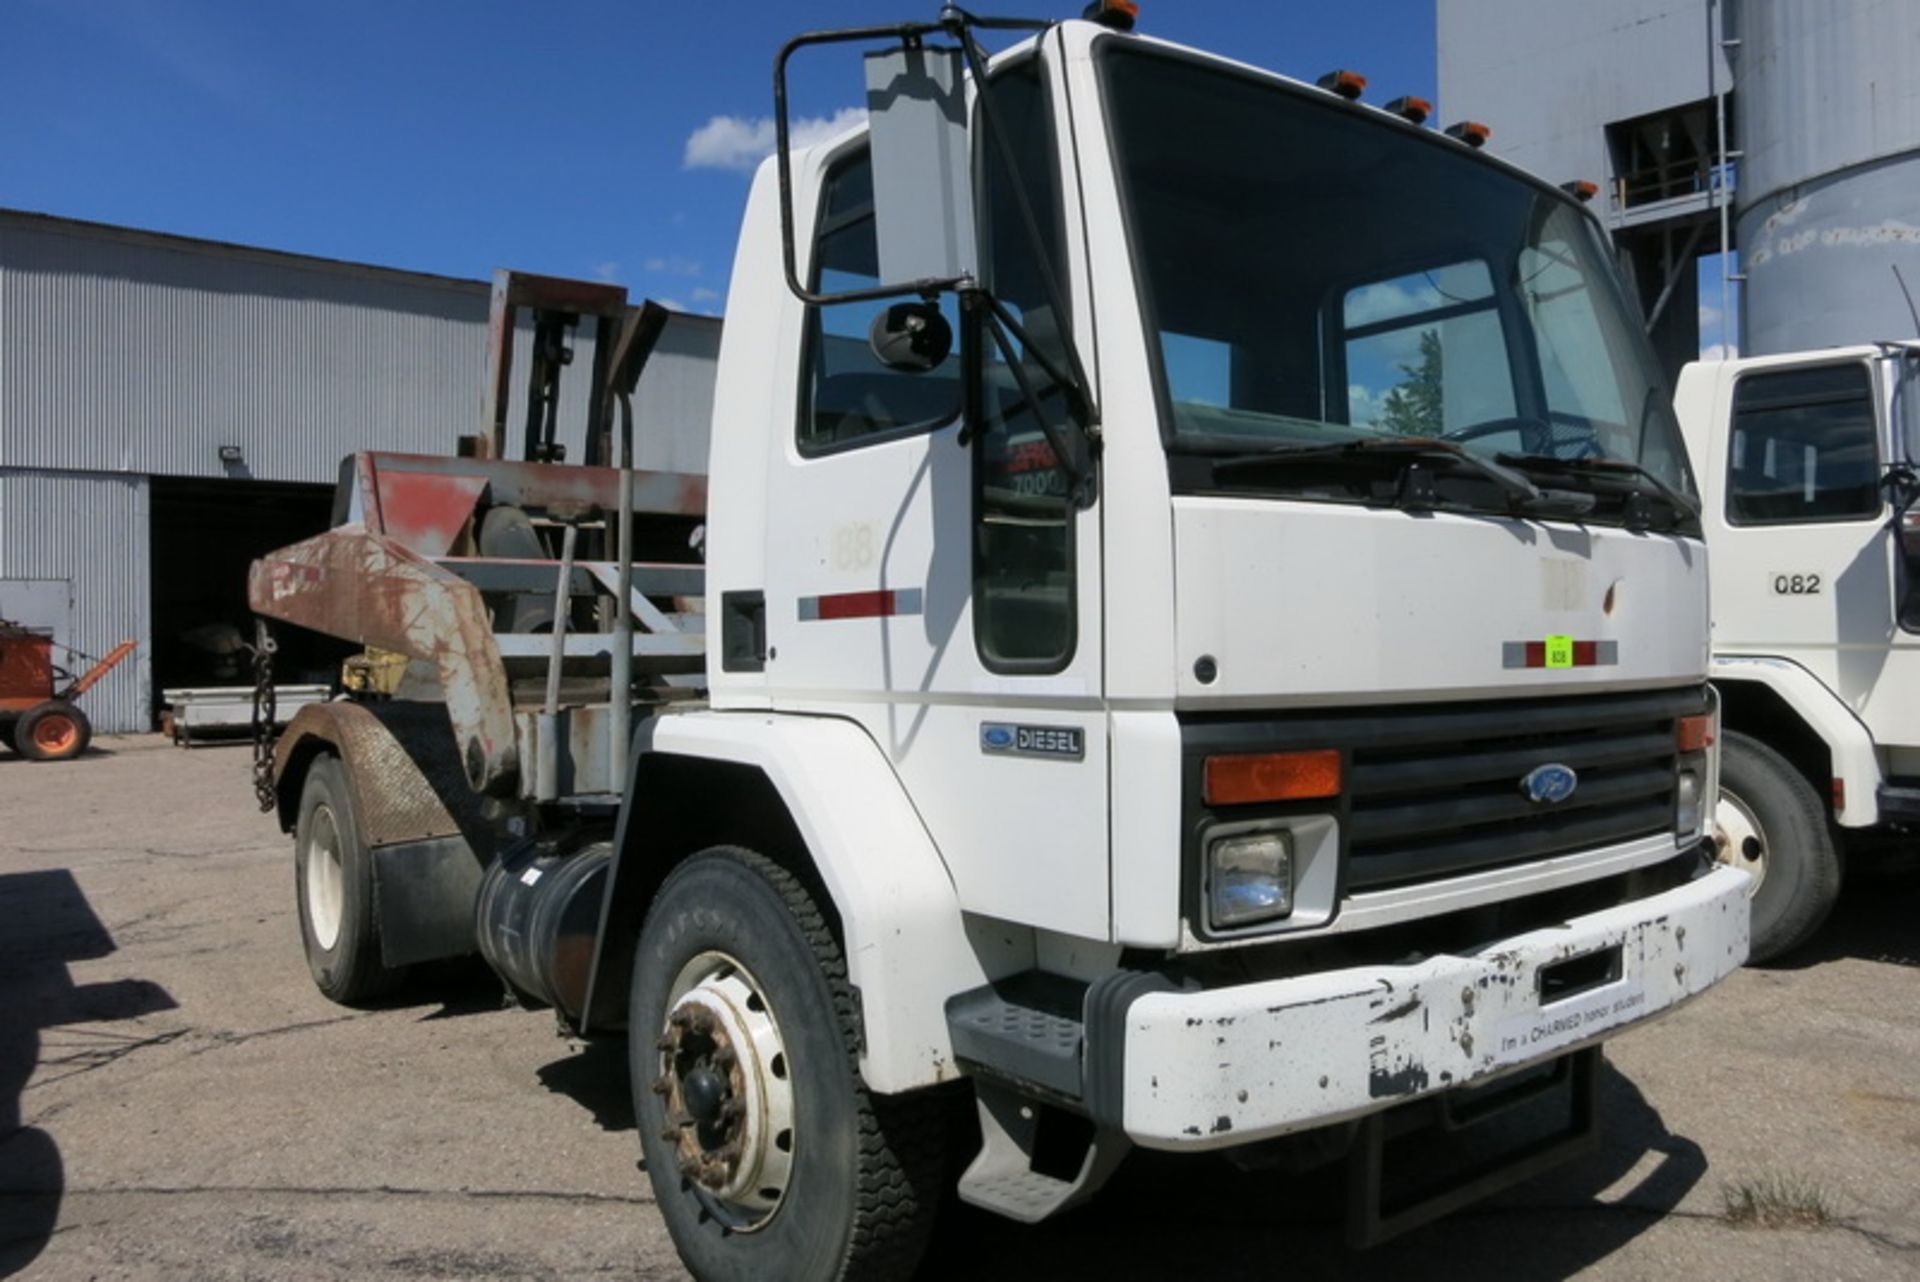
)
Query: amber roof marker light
[
  {"x": 1348, "y": 84},
  {"x": 1411, "y": 109},
  {"x": 1581, "y": 190},
  {"x": 1470, "y": 132},
  {"x": 1119, "y": 15}
]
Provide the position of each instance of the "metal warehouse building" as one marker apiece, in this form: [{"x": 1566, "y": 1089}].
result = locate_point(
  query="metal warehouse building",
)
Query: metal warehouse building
[{"x": 170, "y": 408}]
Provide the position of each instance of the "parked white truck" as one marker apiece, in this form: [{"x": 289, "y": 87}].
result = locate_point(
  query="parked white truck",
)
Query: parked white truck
[
  {"x": 1250, "y": 696},
  {"x": 1806, "y": 467}
]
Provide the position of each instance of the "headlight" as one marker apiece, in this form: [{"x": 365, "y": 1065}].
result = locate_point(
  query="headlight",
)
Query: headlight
[
  {"x": 1249, "y": 878},
  {"x": 1687, "y": 810}
]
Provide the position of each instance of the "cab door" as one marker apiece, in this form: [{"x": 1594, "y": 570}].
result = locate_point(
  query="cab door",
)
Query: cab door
[
  {"x": 1803, "y": 556},
  {"x": 929, "y": 573}
]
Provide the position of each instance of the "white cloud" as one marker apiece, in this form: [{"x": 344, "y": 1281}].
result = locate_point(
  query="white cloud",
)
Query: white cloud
[
  {"x": 1715, "y": 343},
  {"x": 608, "y": 271},
  {"x": 742, "y": 142},
  {"x": 673, "y": 304},
  {"x": 1386, "y": 300},
  {"x": 701, "y": 294},
  {"x": 672, "y": 265},
  {"x": 1363, "y": 407}
]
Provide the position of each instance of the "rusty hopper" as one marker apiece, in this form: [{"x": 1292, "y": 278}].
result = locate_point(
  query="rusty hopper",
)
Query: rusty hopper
[{"x": 449, "y": 561}]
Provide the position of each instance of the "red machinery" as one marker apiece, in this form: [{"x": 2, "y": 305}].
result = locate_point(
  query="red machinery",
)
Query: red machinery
[{"x": 40, "y": 720}]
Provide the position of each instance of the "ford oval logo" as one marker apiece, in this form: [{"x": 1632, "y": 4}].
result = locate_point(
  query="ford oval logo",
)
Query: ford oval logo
[
  {"x": 996, "y": 738},
  {"x": 1550, "y": 783}
]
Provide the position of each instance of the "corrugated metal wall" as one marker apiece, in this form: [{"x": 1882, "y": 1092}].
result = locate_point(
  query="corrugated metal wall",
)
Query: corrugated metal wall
[
  {"x": 673, "y": 406},
  {"x": 92, "y": 531},
  {"x": 120, "y": 353},
  {"x": 125, "y": 354},
  {"x": 124, "y": 351}
]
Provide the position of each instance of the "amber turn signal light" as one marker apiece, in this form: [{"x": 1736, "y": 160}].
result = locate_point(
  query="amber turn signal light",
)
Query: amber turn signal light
[
  {"x": 1243, "y": 778},
  {"x": 1693, "y": 734}
]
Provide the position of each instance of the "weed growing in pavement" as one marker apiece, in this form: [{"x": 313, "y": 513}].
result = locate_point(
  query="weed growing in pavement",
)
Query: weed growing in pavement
[{"x": 1779, "y": 1202}]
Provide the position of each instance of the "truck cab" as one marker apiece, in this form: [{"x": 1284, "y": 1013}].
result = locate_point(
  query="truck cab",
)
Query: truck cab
[
  {"x": 1205, "y": 648},
  {"x": 1805, "y": 463}
]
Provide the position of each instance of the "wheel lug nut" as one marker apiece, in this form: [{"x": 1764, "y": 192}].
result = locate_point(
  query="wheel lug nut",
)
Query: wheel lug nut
[
  {"x": 724, "y": 1058},
  {"x": 663, "y": 1085},
  {"x": 666, "y": 1043},
  {"x": 671, "y": 1135}
]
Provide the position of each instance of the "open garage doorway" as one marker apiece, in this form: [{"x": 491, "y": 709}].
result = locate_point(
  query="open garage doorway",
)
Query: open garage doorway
[{"x": 204, "y": 535}]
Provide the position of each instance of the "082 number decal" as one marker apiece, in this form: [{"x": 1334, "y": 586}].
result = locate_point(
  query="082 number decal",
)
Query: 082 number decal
[{"x": 1795, "y": 584}]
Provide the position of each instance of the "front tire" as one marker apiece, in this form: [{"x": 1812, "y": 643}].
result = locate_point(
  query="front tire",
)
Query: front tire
[
  {"x": 333, "y": 885},
  {"x": 1771, "y": 823},
  {"x": 768, "y": 1156}
]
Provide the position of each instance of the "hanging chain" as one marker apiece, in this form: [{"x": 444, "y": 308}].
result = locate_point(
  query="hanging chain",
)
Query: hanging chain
[{"x": 264, "y": 715}]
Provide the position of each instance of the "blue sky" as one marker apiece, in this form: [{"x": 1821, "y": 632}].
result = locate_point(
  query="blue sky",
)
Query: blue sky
[{"x": 456, "y": 138}]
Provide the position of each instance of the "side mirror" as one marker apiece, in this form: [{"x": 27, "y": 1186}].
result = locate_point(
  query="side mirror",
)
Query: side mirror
[
  {"x": 911, "y": 337},
  {"x": 922, "y": 168}
]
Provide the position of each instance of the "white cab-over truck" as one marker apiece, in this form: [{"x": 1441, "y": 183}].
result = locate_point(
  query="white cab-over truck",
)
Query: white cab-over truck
[
  {"x": 1201, "y": 644},
  {"x": 1807, "y": 471}
]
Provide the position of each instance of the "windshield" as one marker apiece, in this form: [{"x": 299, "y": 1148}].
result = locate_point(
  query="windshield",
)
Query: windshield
[{"x": 1313, "y": 274}]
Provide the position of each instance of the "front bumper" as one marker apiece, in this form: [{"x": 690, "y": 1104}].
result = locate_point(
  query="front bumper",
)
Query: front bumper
[{"x": 1227, "y": 1066}]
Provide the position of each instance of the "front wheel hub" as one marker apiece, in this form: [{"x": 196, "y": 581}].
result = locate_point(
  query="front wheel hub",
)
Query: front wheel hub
[
  {"x": 1738, "y": 839},
  {"x": 725, "y": 1086}
]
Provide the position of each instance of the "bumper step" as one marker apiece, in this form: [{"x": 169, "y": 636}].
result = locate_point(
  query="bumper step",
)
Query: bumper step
[
  {"x": 1026, "y": 1174},
  {"x": 1027, "y": 1028}
]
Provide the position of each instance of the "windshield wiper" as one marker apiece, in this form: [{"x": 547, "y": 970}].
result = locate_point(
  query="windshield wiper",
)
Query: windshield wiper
[
  {"x": 1650, "y": 484},
  {"x": 1523, "y": 496}
]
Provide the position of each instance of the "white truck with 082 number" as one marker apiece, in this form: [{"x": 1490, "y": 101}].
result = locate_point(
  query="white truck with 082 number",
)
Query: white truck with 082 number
[{"x": 1807, "y": 468}]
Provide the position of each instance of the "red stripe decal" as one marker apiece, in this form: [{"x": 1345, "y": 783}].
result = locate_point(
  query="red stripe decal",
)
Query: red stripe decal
[
  {"x": 1536, "y": 654},
  {"x": 1585, "y": 654},
  {"x": 857, "y": 605},
  {"x": 884, "y": 603}
]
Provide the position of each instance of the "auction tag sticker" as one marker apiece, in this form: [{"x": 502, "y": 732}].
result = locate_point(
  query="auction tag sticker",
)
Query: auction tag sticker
[
  {"x": 1559, "y": 652},
  {"x": 1569, "y": 1021}
]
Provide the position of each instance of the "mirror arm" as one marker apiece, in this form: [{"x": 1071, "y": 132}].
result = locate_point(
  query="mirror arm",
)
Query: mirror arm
[
  {"x": 1082, "y": 408},
  {"x": 907, "y": 33},
  {"x": 1079, "y": 477},
  {"x": 976, "y": 67},
  {"x": 954, "y": 20}
]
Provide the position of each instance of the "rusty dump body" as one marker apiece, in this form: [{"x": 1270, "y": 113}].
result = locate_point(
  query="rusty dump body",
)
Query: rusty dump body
[
  {"x": 521, "y": 615},
  {"x": 498, "y": 582}
]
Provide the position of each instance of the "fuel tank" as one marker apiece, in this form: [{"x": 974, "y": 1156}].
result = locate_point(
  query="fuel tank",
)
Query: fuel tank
[{"x": 536, "y": 915}]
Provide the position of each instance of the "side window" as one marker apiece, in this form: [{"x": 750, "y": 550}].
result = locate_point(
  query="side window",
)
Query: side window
[
  {"x": 1803, "y": 447},
  {"x": 849, "y": 396},
  {"x": 1425, "y": 353},
  {"x": 1023, "y": 550}
]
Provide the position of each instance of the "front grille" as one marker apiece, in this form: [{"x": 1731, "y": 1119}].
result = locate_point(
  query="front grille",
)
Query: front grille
[
  {"x": 1438, "y": 793},
  {"x": 1433, "y": 791}
]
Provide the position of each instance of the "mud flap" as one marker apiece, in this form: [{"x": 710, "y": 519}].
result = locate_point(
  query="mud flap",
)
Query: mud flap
[
  {"x": 1373, "y": 1218},
  {"x": 423, "y": 895}
]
